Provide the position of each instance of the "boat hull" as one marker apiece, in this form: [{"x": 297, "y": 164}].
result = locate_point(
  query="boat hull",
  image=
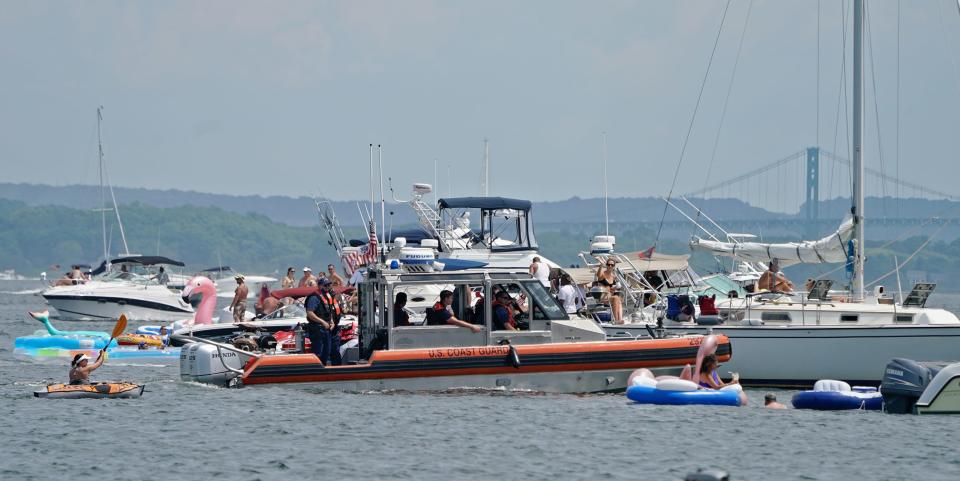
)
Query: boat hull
[
  {"x": 100, "y": 308},
  {"x": 559, "y": 368},
  {"x": 780, "y": 356}
]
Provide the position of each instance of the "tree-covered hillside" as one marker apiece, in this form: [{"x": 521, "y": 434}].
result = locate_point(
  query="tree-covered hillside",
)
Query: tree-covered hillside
[{"x": 34, "y": 238}]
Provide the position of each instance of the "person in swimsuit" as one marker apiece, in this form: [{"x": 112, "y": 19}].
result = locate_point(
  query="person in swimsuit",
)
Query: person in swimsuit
[
  {"x": 80, "y": 367},
  {"x": 608, "y": 279},
  {"x": 709, "y": 379}
]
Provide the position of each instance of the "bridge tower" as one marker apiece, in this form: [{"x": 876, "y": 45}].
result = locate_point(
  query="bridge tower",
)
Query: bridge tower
[
  {"x": 813, "y": 184},
  {"x": 813, "y": 191}
]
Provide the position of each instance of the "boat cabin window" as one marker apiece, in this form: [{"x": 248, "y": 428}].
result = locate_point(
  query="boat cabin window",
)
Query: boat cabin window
[
  {"x": 849, "y": 317},
  {"x": 903, "y": 318},
  {"x": 775, "y": 316}
]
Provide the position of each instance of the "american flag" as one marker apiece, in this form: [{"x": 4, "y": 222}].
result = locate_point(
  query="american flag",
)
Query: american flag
[
  {"x": 647, "y": 254},
  {"x": 366, "y": 254}
]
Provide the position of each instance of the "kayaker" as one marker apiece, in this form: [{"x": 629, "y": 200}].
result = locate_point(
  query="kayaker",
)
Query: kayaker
[
  {"x": 709, "y": 378},
  {"x": 80, "y": 367}
]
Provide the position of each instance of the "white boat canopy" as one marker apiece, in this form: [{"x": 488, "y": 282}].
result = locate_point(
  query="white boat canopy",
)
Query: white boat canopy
[
  {"x": 830, "y": 249},
  {"x": 657, "y": 261}
]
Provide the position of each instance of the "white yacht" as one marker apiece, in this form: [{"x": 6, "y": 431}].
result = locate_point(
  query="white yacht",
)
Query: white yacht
[
  {"x": 126, "y": 288},
  {"x": 447, "y": 241},
  {"x": 505, "y": 238},
  {"x": 848, "y": 334}
]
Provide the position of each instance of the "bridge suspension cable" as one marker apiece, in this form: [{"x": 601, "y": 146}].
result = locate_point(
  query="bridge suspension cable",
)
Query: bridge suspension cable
[{"x": 824, "y": 155}]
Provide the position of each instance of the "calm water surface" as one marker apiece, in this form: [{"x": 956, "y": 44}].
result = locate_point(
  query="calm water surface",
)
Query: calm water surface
[{"x": 190, "y": 431}]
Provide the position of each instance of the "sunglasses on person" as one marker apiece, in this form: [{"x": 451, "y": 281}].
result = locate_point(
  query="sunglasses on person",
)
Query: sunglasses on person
[{"x": 610, "y": 264}]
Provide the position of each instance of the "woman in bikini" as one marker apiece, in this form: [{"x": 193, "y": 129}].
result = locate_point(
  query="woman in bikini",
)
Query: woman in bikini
[
  {"x": 709, "y": 379},
  {"x": 608, "y": 279}
]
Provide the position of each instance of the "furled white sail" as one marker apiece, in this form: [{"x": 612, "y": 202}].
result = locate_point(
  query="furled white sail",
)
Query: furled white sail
[{"x": 830, "y": 249}]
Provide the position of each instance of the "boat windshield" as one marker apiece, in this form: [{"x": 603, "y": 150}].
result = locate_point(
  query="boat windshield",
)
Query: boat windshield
[
  {"x": 545, "y": 306},
  {"x": 505, "y": 225},
  {"x": 288, "y": 312}
]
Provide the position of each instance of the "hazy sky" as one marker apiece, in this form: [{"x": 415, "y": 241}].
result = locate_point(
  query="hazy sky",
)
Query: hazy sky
[{"x": 284, "y": 97}]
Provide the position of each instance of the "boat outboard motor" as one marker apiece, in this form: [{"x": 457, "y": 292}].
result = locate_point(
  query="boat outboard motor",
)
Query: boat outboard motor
[{"x": 904, "y": 381}]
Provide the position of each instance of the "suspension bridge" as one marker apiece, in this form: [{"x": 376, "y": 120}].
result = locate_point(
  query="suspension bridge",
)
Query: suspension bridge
[{"x": 794, "y": 185}]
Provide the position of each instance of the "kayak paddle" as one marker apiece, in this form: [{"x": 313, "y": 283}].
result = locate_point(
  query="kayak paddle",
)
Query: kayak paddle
[{"x": 118, "y": 329}]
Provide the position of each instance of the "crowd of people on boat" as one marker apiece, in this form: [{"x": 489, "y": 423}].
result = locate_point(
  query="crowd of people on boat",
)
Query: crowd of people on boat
[{"x": 72, "y": 277}]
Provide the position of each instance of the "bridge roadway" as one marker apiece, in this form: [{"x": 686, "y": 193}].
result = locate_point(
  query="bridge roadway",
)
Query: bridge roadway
[{"x": 756, "y": 226}]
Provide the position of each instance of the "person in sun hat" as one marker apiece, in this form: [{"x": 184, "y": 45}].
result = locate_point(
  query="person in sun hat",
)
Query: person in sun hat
[
  {"x": 80, "y": 367},
  {"x": 239, "y": 304},
  {"x": 308, "y": 279}
]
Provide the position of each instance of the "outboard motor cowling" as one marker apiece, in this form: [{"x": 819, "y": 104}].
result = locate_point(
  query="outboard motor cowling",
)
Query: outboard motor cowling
[{"x": 904, "y": 380}]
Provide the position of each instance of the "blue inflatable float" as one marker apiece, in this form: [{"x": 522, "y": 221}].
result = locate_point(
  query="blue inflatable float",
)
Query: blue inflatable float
[
  {"x": 652, "y": 395},
  {"x": 115, "y": 353},
  {"x": 830, "y": 395},
  {"x": 60, "y": 342}
]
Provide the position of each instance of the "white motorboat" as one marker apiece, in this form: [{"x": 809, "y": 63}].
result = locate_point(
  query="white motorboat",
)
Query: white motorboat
[{"x": 123, "y": 290}]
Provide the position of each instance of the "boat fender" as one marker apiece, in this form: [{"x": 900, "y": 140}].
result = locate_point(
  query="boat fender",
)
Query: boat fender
[
  {"x": 680, "y": 385},
  {"x": 513, "y": 358}
]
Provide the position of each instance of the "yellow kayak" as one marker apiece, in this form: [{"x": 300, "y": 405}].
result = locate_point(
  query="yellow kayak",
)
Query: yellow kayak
[{"x": 119, "y": 389}]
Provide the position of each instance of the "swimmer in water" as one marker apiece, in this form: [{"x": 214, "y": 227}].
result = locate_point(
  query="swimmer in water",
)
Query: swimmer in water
[{"x": 770, "y": 402}]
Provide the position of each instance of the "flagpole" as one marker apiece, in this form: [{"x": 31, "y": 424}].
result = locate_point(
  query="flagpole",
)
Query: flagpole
[{"x": 383, "y": 214}]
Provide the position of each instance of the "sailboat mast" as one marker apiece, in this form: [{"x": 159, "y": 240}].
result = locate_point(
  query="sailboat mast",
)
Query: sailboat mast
[
  {"x": 606, "y": 207},
  {"x": 858, "y": 198},
  {"x": 485, "y": 186},
  {"x": 113, "y": 197},
  {"x": 103, "y": 199}
]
